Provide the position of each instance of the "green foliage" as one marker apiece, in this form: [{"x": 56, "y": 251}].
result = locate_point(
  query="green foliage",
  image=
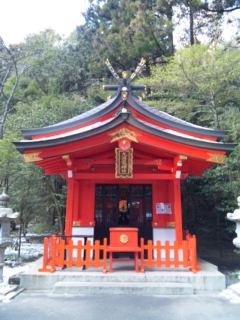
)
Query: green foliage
[
  {"x": 124, "y": 31},
  {"x": 237, "y": 252},
  {"x": 77, "y": 63},
  {"x": 21, "y": 60},
  {"x": 200, "y": 84},
  {"x": 43, "y": 227},
  {"x": 206, "y": 202},
  {"x": 9, "y": 158},
  {"x": 46, "y": 111},
  {"x": 208, "y": 199}
]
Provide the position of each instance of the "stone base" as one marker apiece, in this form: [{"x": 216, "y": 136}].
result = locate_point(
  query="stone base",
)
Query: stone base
[{"x": 209, "y": 279}]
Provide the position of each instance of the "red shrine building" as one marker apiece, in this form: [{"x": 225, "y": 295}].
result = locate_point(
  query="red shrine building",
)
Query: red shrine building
[{"x": 123, "y": 162}]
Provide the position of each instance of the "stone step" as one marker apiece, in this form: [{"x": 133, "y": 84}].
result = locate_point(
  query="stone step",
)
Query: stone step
[
  {"x": 8, "y": 292},
  {"x": 124, "y": 277},
  {"x": 135, "y": 288},
  {"x": 210, "y": 280},
  {"x": 6, "y": 289}
]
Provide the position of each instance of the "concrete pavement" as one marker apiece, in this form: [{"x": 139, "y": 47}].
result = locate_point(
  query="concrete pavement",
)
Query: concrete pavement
[{"x": 45, "y": 305}]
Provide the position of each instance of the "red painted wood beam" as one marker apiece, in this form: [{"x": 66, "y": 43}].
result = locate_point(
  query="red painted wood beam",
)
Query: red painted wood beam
[
  {"x": 89, "y": 162},
  {"x": 69, "y": 207},
  {"x": 177, "y": 209},
  {"x": 107, "y": 176}
]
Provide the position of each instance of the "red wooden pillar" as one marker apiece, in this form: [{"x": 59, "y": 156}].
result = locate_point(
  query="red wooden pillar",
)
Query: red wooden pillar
[
  {"x": 177, "y": 209},
  {"x": 69, "y": 207}
]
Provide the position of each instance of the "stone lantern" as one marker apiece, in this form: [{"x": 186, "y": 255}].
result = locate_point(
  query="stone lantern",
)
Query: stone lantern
[
  {"x": 235, "y": 216},
  {"x": 6, "y": 216}
]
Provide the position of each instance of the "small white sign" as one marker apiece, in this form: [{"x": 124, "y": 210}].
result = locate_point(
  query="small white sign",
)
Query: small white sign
[{"x": 163, "y": 208}]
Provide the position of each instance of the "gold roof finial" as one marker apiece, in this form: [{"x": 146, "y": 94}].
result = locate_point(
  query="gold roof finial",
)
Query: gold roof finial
[{"x": 124, "y": 74}]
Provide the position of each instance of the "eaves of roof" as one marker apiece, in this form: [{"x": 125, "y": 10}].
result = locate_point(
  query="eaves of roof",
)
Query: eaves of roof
[
  {"x": 166, "y": 119},
  {"x": 84, "y": 118},
  {"x": 112, "y": 124},
  {"x": 105, "y": 108},
  {"x": 181, "y": 138}
]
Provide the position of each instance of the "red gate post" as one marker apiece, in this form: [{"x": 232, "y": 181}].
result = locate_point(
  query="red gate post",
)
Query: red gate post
[
  {"x": 176, "y": 254},
  {"x": 142, "y": 254},
  {"x": 53, "y": 254},
  {"x": 69, "y": 247},
  {"x": 158, "y": 255},
  {"x": 87, "y": 248},
  {"x": 104, "y": 255},
  {"x": 45, "y": 255},
  {"x": 185, "y": 253},
  {"x": 60, "y": 247},
  {"x": 150, "y": 253},
  {"x": 194, "y": 254},
  {"x": 79, "y": 254},
  {"x": 97, "y": 254},
  {"x": 167, "y": 254}
]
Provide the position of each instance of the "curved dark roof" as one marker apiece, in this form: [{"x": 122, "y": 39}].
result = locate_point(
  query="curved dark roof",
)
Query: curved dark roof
[
  {"x": 102, "y": 127},
  {"x": 102, "y": 110},
  {"x": 81, "y": 119},
  {"x": 165, "y": 118}
]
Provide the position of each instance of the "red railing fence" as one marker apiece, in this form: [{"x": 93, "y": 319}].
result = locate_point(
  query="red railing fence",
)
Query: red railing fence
[
  {"x": 63, "y": 253},
  {"x": 168, "y": 255},
  {"x": 67, "y": 254}
]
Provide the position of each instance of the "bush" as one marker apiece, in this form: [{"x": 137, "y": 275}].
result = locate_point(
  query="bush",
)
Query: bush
[{"x": 43, "y": 227}]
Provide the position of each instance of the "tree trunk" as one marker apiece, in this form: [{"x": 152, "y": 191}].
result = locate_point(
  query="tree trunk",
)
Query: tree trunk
[
  {"x": 214, "y": 110},
  {"x": 59, "y": 214},
  {"x": 7, "y": 105},
  {"x": 170, "y": 32},
  {"x": 191, "y": 25},
  {"x": 20, "y": 241}
]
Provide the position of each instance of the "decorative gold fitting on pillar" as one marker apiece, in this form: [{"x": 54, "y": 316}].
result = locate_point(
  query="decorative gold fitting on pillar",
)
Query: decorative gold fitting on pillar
[
  {"x": 170, "y": 225},
  {"x": 76, "y": 223}
]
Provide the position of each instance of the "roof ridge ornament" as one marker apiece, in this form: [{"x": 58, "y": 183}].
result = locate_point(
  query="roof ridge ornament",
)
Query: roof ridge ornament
[
  {"x": 113, "y": 72},
  {"x": 137, "y": 70},
  {"x": 124, "y": 73},
  {"x": 124, "y": 83}
]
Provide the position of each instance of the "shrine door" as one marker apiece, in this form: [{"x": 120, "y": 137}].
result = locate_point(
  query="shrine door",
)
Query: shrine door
[{"x": 127, "y": 205}]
